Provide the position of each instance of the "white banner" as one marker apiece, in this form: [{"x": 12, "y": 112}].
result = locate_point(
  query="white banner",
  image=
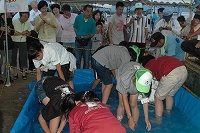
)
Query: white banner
[{"x": 14, "y": 6}]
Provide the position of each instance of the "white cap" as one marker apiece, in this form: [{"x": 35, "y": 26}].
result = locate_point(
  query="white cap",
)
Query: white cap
[{"x": 138, "y": 5}]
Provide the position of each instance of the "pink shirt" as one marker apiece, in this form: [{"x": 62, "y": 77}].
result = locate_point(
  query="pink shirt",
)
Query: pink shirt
[
  {"x": 94, "y": 119},
  {"x": 68, "y": 33}
]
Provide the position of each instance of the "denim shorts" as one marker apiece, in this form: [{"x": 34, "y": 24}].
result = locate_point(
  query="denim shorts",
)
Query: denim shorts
[
  {"x": 39, "y": 89},
  {"x": 103, "y": 73}
]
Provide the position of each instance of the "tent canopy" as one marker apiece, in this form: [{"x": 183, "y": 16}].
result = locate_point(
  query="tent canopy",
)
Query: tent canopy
[{"x": 167, "y": 2}]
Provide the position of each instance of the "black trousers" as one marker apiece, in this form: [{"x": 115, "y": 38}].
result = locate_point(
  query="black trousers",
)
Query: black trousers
[{"x": 189, "y": 47}]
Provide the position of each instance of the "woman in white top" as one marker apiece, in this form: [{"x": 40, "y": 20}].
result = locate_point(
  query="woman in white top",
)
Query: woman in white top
[
  {"x": 55, "y": 8},
  {"x": 67, "y": 22}
]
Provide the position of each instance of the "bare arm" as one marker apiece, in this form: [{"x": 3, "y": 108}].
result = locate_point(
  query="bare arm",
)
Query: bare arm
[
  {"x": 146, "y": 115},
  {"x": 194, "y": 34},
  {"x": 62, "y": 124},
  {"x": 60, "y": 72},
  {"x": 38, "y": 75},
  {"x": 43, "y": 124},
  {"x": 110, "y": 26},
  {"x": 130, "y": 22}
]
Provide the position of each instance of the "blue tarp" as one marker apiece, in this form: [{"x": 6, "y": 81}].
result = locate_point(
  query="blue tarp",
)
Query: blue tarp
[{"x": 184, "y": 118}]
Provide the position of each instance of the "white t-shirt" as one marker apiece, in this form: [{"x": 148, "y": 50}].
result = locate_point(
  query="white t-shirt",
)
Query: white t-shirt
[
  {"x": 32, "y": 16},
  {"x": 53, "y": 54},
  {"x": 68, "y": 33},
  {"x": 117, "y": 28}
]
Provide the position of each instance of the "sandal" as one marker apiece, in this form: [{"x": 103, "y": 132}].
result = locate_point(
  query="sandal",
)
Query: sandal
[
  {"x": 15, "y": 77},
  {"x": 24, "y": 77}
]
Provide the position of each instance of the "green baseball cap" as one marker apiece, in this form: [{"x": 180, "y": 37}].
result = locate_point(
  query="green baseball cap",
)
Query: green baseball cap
[
  {"x": 137, "y": 51},
  {"x": 143, "y": 80}
]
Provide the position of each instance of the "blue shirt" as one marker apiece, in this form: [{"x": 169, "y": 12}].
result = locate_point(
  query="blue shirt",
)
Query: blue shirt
[
  {"x": 173, "y": 47},
  {"x": 84, "y": 28}
]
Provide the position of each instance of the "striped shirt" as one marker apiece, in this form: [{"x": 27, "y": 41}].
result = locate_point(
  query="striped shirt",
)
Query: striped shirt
[{"x": 137, "y": 29}]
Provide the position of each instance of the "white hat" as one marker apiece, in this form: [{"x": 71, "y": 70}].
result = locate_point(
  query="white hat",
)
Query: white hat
[{"x": 138, "y": 5}]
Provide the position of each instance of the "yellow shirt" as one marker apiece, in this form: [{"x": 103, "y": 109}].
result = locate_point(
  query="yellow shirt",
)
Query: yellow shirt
[
  {"x": 46, "y": 31},
  {"x": 19, "y": 27}
]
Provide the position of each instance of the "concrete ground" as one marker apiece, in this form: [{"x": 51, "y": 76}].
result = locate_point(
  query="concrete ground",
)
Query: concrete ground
[{"x": 12, "y": 100}]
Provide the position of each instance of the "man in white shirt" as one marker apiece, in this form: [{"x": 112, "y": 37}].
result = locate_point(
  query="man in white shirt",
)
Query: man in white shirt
[
  {"x": 33, "y": 13},
  {"x": 168, "y": 26}
]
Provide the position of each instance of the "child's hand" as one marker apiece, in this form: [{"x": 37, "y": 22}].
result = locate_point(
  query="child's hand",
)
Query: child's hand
[
  {"x": 148, "y": 125},
  {"x": 131, "y": 123}
]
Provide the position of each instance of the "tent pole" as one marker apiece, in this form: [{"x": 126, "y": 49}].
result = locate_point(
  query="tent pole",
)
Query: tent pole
[
  {"x": 151, "y": 18},
  {"x": 6, "y": 44}
]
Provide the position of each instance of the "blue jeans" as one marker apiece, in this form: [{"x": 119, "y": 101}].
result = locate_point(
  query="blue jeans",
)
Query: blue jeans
[
  {"x": 39, "y": 88},
  {"x": 85, "y": 53},
  {"x": 103, "y": 73}
]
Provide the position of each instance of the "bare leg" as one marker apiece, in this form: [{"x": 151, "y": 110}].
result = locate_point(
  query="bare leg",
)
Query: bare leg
[
  {"x": 106, "y": 92},
  {"x": 62, "y": 124},
  {"x": 15, "y": 71},
  {"x": 158, "y": 110},
  {"x": 43, "y": 124},
  {"x": 134, "y": 107},
  {"x": 95, "y": 83},
  {"x": 120, "y": 108},
  {"x": 169, "y": 104},
  {"x": 71, "y": 84},
  {"x": 158, "y": 107},
  {"x": 53, "y": 124}
]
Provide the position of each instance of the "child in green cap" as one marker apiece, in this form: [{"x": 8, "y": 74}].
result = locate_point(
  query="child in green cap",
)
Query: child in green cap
[{"x": 133, "y": 79}]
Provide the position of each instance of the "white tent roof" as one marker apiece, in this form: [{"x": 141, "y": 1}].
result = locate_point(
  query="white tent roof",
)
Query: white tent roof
[
  {"x": 125, "y": 1},
  {"x": 177, "y": 3}
]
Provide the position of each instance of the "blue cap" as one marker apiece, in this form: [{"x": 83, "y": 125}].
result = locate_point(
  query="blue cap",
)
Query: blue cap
[
  {"x": 197, "y": 2},
  {"x": 167, "y": 13}
]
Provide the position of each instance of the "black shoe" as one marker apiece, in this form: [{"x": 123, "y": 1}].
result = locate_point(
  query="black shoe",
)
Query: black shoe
[
  {"x": 1, "y": 81},
  {"x": 15, "y": 77},
  {"x": 11, "y": 80},
  {"x": 24, "y": 77}
]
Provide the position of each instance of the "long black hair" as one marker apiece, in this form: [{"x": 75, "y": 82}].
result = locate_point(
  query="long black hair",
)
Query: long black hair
[
  {"x": 86, "y": 96},
  {"x": 69, "y": 101}
]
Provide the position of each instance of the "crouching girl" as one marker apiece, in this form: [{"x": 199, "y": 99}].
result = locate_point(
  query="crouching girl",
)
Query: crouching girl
[{"x": 52, "y": 91}]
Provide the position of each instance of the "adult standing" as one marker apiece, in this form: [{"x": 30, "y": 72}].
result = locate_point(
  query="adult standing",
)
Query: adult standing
[
  {"x": 67, "y": 21},
  {"x": 160, "y": 15},
  {"x": 172, "y": 74},
  {"x": 3, "y": 39},
  {"x": 139, "y": 28},
  {"x": 33, "y": 13},
  {"x": 105, "y": 59},
  {"x": 22, "y": 29},
  {"x": 85, "y": 29},
  {"x": 55, "y": 8},
  {"x": 45, "y": 24},
  {"x": 116, "y": 24}
]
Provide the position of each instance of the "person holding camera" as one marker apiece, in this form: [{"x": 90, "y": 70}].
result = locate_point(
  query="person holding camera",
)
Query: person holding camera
[
  {"x": 139, "y": 28},
  {"x": 168, "y": 26}
]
